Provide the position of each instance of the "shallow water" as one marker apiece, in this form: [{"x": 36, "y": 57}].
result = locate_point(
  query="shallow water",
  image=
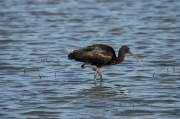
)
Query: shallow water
[{"x": 38, "y": 81}]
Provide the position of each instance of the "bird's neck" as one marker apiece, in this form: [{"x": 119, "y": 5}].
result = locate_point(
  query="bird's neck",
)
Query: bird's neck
[
  {"x": 121, "y": 55},
  {"x": 119, "y": 59}
]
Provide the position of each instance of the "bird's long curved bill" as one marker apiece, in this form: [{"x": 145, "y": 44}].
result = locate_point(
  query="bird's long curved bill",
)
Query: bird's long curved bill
[{"x": 135, "y": 57}]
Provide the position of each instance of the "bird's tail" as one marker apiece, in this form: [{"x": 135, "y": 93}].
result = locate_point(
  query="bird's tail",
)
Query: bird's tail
[{"x": 73, "y": 55}]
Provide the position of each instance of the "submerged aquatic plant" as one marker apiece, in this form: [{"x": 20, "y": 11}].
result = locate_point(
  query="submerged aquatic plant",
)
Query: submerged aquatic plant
[{"x": 38, "y": 72}]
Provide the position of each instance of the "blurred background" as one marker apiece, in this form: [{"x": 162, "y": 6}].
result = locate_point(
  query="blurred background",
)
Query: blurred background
[{"x": 38, "y": 81}]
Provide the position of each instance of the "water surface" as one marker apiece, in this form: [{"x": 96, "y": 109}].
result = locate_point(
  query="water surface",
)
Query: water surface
[{"x": 38, "y": 81}]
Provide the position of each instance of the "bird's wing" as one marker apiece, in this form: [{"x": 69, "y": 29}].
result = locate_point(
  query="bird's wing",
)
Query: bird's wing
[{"x": 95, "y": 54}]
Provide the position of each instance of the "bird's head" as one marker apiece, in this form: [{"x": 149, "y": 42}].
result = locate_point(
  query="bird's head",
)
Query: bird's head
[{"x": 126, "y": 49}]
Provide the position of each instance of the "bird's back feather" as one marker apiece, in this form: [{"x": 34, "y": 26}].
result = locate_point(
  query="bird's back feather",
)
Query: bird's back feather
[{"x": 97, "y": 54}]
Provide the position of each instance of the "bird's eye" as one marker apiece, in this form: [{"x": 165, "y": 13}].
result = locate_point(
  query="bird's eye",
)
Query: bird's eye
[{"x": 127, "y": 50}]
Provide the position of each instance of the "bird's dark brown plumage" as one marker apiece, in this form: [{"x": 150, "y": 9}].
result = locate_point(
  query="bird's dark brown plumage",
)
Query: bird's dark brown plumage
[{"x": 100, "y": 55}]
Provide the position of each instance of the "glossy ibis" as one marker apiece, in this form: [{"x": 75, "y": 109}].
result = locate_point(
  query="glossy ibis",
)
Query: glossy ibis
[{"x": 100, "y": 55}]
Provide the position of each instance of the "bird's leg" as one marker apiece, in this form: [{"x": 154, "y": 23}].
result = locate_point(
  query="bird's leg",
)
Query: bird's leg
[
  {"x": 97, "y": 71},
  {"x": 100, "y": 74},
  {"x": 95, "y": 75},
  {"x": 87, "y": 68}
]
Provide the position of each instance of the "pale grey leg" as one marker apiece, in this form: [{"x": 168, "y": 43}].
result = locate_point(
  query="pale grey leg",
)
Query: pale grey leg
[
  {"x": 95, "y": 74},
  {"x": 87, "y": 68},
  {"x": 100, "y": 74},
  {"x": 97, "y": 71}
]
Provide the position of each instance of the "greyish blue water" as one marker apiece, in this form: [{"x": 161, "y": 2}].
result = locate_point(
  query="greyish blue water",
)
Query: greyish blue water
[{"x": 38, "y": 81}]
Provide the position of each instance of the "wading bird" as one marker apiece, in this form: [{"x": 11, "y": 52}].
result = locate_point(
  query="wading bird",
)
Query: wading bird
[{"x": 100, "y": 55}]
